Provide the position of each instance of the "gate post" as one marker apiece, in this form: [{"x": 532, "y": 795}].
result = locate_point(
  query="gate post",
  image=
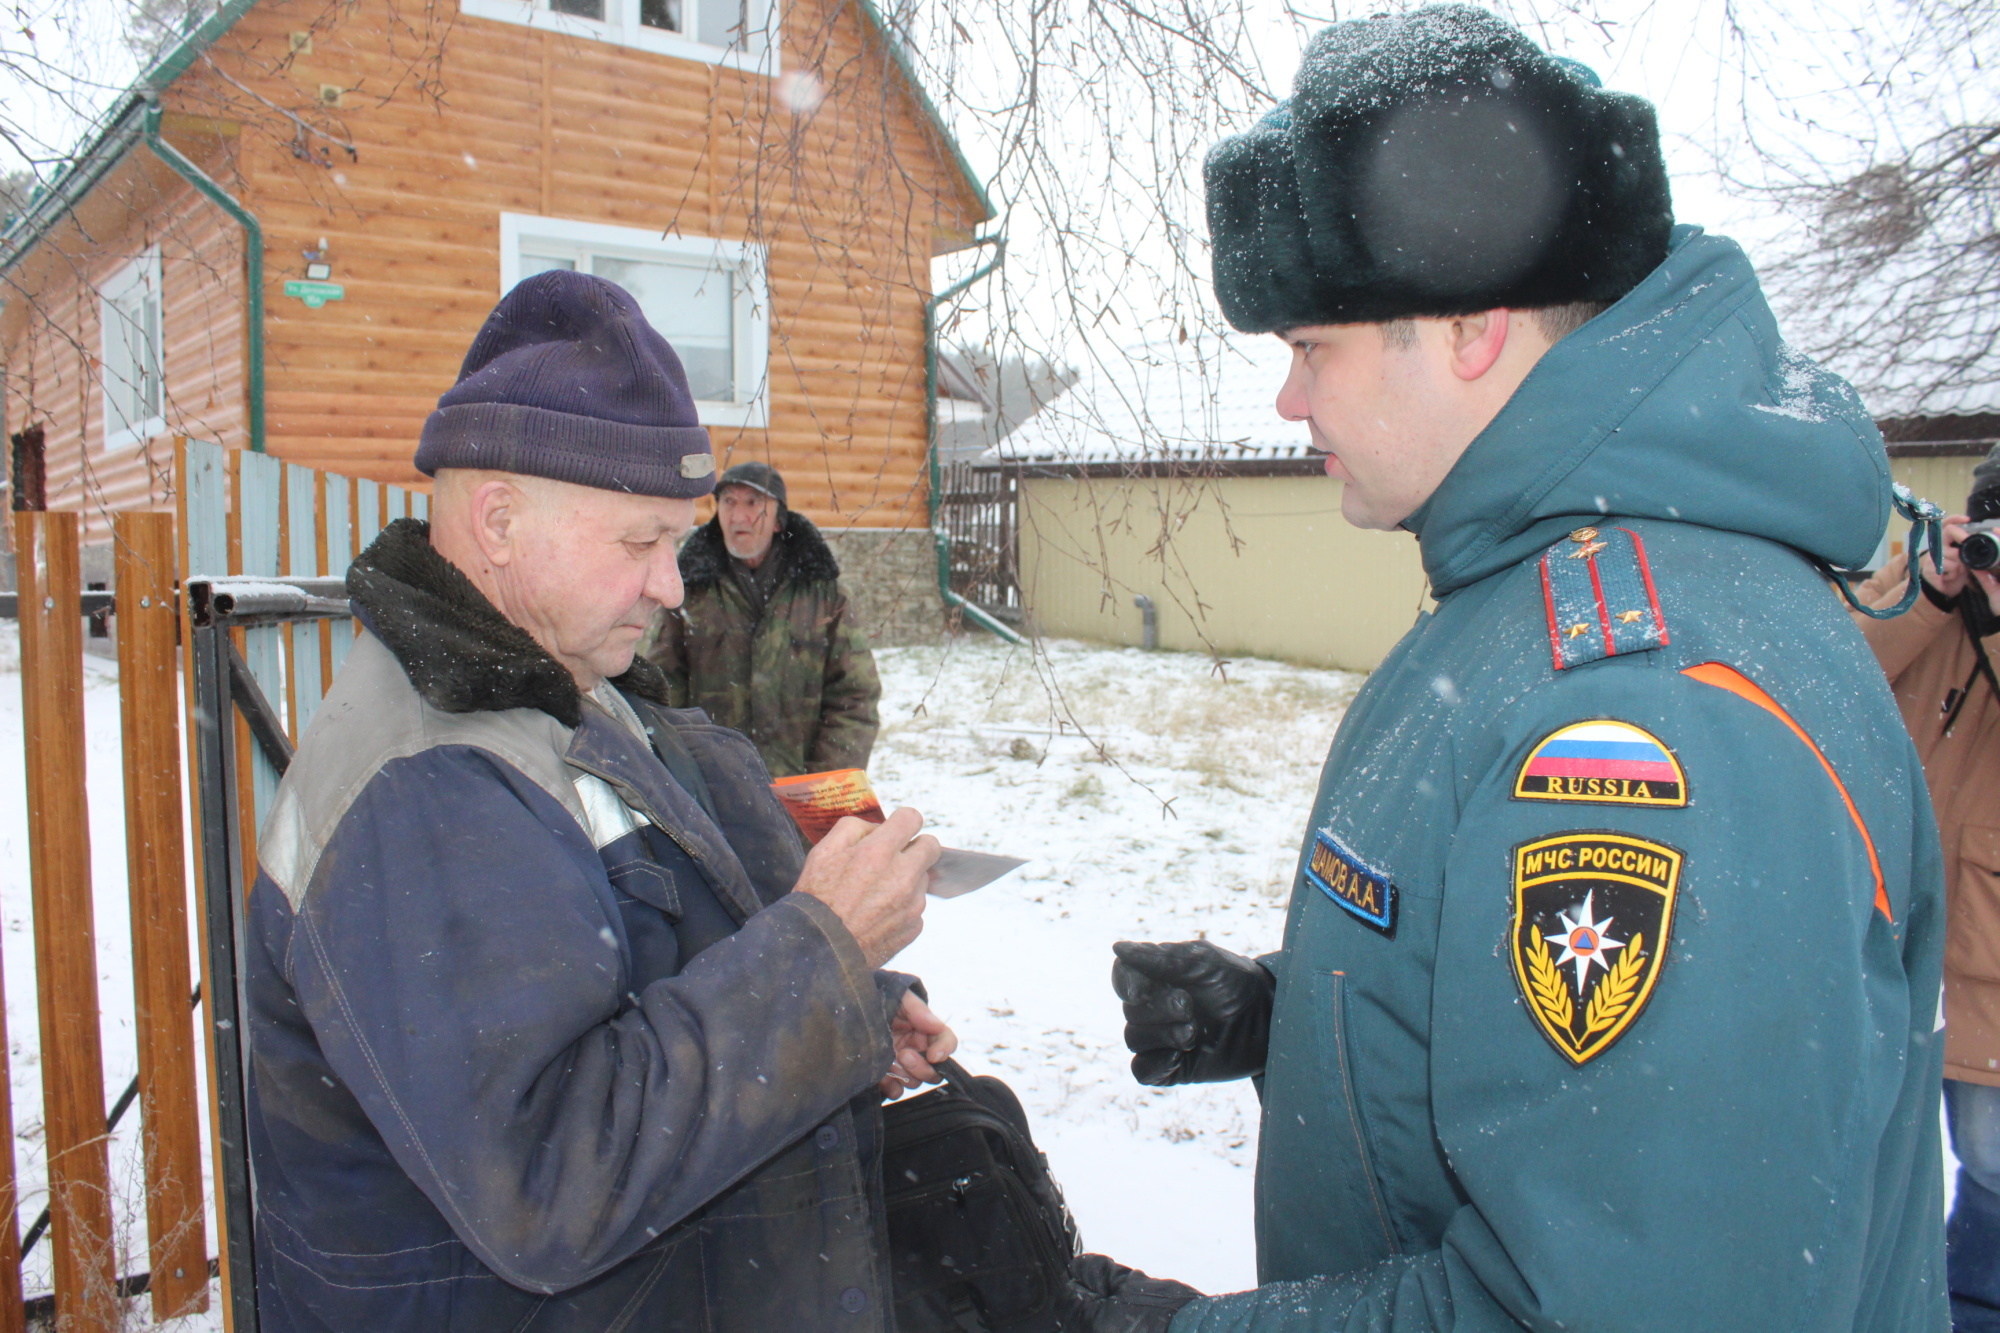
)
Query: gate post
[
  {"x": 150, "y": 709},
  {"x": 219, "y": 851},
  {"x": 51, "y": 588}
]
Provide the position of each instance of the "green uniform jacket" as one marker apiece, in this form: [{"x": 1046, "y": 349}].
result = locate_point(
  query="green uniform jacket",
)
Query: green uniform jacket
[
  {"x": 1643, "y": 1032},
  {"x": 798, "y": 680}
]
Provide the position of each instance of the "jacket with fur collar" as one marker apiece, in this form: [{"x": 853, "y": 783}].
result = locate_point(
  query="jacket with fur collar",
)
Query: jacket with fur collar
[
  {"x": 795, "y": 674},
  {"x": 542, "y": 1034},
  {"x": 808, "y": 559}
]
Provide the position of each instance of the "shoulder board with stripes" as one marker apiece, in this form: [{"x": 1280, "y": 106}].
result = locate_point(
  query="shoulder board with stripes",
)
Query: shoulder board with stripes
[{"x": 1599, "y": 593}]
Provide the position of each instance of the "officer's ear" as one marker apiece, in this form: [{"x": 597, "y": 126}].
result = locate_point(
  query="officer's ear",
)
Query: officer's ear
[{"x": 1475, "y": 342}]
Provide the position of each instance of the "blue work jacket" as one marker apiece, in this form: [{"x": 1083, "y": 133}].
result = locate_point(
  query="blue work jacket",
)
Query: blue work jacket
[{"x": 541, "y": 1039}]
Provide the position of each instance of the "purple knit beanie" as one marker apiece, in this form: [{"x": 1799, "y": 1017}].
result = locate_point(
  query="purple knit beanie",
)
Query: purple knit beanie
[{"x": 567, "y": 380}]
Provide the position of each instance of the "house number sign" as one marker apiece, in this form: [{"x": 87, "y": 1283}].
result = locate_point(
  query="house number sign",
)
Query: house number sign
[{"x": 315, "y": 294}]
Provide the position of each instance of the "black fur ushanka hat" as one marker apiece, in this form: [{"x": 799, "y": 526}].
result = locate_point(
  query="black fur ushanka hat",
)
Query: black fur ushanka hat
[{"x": 1434, "y": 163}]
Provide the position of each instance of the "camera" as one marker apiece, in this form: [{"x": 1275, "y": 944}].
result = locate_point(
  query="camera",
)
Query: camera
[{"x": 1981, "y": 547}]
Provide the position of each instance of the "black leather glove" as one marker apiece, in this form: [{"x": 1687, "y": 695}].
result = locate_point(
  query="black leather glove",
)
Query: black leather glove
[
  {"x": 1193, "y": 1013},
  {"x": 1107, "y": 1297}
]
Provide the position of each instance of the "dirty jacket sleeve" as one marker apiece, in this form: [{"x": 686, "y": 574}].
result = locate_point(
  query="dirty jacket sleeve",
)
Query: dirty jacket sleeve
[
  {"x": 1679, "y": 1179},
  {"x": 1899, "y": 642},
  {"x": 456, "y": 951},
  {"x": 849, "y": 694}
]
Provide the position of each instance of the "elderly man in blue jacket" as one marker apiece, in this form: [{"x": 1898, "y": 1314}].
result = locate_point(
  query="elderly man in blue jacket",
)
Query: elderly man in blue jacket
[
  {"x": 1608, "y": 998},
  {"x": 553, "y": 1026}
]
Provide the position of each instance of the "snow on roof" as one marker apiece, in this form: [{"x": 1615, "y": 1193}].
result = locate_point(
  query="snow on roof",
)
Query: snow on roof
[
  {"x": 1928, "y": 382},
  {"x": 1905, "y": 336},
  {"x": 1211, "y": 398}
]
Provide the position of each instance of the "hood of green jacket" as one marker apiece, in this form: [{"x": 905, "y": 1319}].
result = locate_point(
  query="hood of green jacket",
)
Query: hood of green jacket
[{"x": 1681, "y": 402}]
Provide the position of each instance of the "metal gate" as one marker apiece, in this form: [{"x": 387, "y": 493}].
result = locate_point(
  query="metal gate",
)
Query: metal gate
[
  {"x": 232, "y": 610},
  {"x": 979, "y": 511}
]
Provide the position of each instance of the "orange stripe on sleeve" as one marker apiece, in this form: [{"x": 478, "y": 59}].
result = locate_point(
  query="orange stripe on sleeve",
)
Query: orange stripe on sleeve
[{"x": 1729, "y": 678}]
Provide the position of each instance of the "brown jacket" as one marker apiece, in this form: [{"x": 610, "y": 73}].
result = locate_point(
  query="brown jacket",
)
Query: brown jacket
[{"x": 1927, "y": 654}]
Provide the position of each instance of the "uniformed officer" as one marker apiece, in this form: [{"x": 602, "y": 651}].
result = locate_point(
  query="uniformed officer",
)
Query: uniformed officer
[{"x": 1609, "y": 991}]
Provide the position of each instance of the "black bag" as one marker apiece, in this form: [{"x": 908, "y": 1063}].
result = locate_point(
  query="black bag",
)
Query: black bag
[{"x": 980, "y": 1240}]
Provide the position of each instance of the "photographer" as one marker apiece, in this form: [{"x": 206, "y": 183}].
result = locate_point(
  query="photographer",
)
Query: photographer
[{"x": 1939, "y": 662}]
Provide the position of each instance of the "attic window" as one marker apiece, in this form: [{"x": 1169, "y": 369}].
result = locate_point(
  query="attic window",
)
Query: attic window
[
  {"x": 739, "y": 33},
  {"x": 708, "y": 298},
  {"x": 129, "y": 318}
]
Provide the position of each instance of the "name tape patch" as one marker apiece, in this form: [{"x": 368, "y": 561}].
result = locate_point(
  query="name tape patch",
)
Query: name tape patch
[
  {"x": 1593, "y": 915},
  {"x": 1350, "y": 881},
  {"x": 1605, "y": 762}
]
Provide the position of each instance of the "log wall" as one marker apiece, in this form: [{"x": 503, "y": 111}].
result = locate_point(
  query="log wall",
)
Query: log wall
[
  {"x": 851, "y": 197},
  {"x": 53, "y": 341}
]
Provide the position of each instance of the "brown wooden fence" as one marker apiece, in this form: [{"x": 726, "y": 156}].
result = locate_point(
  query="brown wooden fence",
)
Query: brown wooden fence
[
  {"x": 979, "y": 510},
  {"x": 236, "y": 514}
]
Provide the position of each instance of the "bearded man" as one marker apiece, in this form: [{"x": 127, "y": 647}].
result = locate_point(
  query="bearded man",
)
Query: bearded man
[
  {"x": 553, "y": 1026},
  {"x": 1608, "y": 997}
]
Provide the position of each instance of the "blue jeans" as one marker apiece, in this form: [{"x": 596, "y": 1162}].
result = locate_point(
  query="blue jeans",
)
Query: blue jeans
[{"x": 1972, "y": 1236}]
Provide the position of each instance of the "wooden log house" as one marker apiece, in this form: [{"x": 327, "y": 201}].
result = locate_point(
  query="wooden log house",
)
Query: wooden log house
[{"x": 772, "y": 186}]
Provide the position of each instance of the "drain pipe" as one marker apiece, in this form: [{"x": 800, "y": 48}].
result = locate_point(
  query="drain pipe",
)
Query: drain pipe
[
  {"x": 1149, "y": 622},
  {"x": 253, "y": 268},
  {"x": 938, "y": 535}
]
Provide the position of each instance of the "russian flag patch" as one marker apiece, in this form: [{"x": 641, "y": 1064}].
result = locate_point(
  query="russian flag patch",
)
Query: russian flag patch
[{"x": 1603, "y": 762}]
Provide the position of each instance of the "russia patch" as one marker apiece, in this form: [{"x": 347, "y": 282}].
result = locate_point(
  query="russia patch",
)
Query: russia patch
[
  {"x": 1603, "y": 762},
  {"x": 1350, "y": 881}
]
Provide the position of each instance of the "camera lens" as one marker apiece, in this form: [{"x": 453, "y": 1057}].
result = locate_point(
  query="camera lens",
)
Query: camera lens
[{"x": 1980, "y": 551}]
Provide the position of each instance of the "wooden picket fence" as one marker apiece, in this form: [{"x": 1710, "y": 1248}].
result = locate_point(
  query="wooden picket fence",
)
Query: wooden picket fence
[{"x": 237, "y": 514}]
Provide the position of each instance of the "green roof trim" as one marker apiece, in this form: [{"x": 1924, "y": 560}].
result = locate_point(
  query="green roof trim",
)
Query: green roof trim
[
  {"x": 890, "y": 40},
  {"x": 175, "y": 62},
  {"x": 117, "y": 132}
]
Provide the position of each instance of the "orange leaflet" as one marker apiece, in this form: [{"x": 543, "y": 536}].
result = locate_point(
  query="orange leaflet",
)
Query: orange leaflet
[{"x": 818, "y": 801}]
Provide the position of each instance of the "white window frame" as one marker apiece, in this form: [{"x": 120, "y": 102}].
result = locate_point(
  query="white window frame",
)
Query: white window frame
[
  {"x": 751, "y": 304},
  {"x": 143, "y": 271},
  {"x": 621, "y": 27}
]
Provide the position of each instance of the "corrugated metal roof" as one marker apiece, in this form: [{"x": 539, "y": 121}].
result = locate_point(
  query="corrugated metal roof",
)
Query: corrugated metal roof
[
  {"x": 1214, "y": 400},
  {"x": 1210, "y": 399},
  {"x": 1910, "y": 344},
  {"x": 956, "y": 381},
  {"x": 1923, "y": 383}
]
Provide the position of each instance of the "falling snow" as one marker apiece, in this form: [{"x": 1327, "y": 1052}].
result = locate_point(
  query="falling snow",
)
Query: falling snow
[{"x": 1173, "y": 811}]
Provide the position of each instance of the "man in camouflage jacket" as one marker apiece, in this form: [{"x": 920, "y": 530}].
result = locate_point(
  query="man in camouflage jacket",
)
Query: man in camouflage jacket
[{"x": 764, "y": 642}]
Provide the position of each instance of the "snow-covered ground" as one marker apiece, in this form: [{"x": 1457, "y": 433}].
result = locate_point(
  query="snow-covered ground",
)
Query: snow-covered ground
[
  {"x": 1159, "y": 796},
  {"x": 1175, "y": 813}
]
